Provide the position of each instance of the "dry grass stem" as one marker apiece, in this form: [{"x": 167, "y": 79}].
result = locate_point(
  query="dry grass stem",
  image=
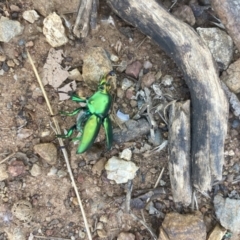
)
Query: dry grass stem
[
  {"x": 61, "y": 146},
  {"x": 6, "y": 158}
]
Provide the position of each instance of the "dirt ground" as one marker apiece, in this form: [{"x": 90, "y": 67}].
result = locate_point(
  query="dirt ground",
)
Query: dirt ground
[{"x": 55, "y": 210}]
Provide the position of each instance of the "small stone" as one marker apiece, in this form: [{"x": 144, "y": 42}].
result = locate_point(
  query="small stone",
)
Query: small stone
[
  {"x": 167, "y": 81},
  {"x": 22, "y": 210},
  {"x": 16, "y": 168},
  {"x": 98, "y": 167},
  {"x": 95, "y": 64},
  {"x": 9, "y": 29},
  {"x": 181, "y": 226},
  {"x": 217, "y": 233},
  {"x": 158, "y": 75},
  {"x": 54, "y": 31},
  {"x": 30, "y": 44},
  {"x": 21, "y": 42},
  {"x": 31, "y": 16},
  {"x": 120, "y": 93},
  {"x": 147, "y": 80},
  {"x": 53, "y": 171},
  {"x": 219, "y": 43},
  {"x": 45, "y": 133},
  {"x": 75, "y": 75},
  {"x": 228, "y": 212},
  {"x": 3, "y": 172},
  {"x": 47, "y": 151},
  {"x": 101, "y": 233},
  {"x": 5, "y": 67},
  {"x": 61, "y": 174},
  {"x": 126, "y": 154},
  {"x": 36, "y": 170},
  {"x": 114, "y": 58},
  {"x": 133, "y": 103},
  {"x": 130, "y": 93},
  {"x": 147, "y": 65},
  {"x": 133, "y": 69},
  {"x": 231, "y": 77},
  {"x": 14, "y": 8},
  {"x": 24, "y": 133},
  {"x": 122, "y": 116},
  {"x": 126, "y": 83},
  {"x": 99, "y": 225},
  {"x": 81, "y": 234},
  {"x": 10, "y": 63},
  {"x": 185, "y": 14},
  {"x": 2, "y": 58},
  {"x": 103, "y": 219},
  {"x": 126, "y": 236},
  {"x": 16, "y": 62},
  {"x": 120, "y": 170},
  {"x": 235, "y": 123}
]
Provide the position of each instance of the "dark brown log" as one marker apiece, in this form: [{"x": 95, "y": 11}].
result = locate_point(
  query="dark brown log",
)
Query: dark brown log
[
  {"x": 179, "y": 144},
  {"x": 228, "y": 12},
  {"x": 209, "y": 106}
]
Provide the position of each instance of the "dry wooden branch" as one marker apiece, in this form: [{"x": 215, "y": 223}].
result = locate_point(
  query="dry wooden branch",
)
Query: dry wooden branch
[
  {"x": 209, "y": 106},
  {"x": 228, "y": 12},
  {"x": 81, "y": 26},
  {"x": 64, "y": 151},
  {"x": 179, "y": 143}
]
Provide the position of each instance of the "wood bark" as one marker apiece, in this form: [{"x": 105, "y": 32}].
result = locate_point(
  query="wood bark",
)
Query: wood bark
[
  {"x": 209, "y": 106},
  {"x": 81, "y": 26},
  {"x": 228, "y": 12},
  {"x": 179, "y": 144}
]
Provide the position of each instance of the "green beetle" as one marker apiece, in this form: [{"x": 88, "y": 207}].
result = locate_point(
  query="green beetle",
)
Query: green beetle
[{"x": 94, "y": 115}]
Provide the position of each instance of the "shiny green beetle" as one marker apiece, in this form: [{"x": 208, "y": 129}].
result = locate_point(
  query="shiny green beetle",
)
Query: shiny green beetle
[{"x": 94, "y": 115}]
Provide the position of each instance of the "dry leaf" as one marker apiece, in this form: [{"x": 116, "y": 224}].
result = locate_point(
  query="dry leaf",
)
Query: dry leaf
[
  {"x": 53, "y": 73},
  {"x": 66, "y": 88}
]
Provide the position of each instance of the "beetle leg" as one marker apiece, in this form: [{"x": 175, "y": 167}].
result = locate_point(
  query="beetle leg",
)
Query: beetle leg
[
  {"x": 69, "y": 132},
  {"x": 108, "y": 131},
  {"x": 74, "y": 112},
  {"x": 76, "y": 98},
  {"x": 90, "y": 132}
]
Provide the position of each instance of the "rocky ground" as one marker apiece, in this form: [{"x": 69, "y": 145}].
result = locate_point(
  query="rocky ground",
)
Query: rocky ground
[{"x": 37, "y": 199}]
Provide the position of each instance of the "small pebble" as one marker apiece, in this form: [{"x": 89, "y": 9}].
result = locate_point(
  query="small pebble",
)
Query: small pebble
[
  {"x": 16, "y": 168},
  {"x": 103, "y": 219},
  {"x": 21, "y": 42},
  {"x": 61, "y": 173},
  {"x": 133, "y": 103},
  {"x": 158, "y": 75},
  {"x": 126, "y": 83},
  {"x": 167, "y": 80},
  {"x": 14, "y": 15},
  {"x": 114, "y": 58},
  {"x": 30, "y": 44},
  {"x": 40, "y": 99},
  {"x": 120, "y": 93},
  {"x": 126, "y": 154},
  {"x": 122, "y": 66},
  {"x": 147, "y": 65},
  {"x": 30, "y": 16},
  {"x": 133, "y": 69},
  {"x": 130, "y": 93},
  {"x": 16, "y": 62},
  {"x": 10, "y": 63},
  {"x": 147, "y": 80},
  {"x": 5, "y": 67},
  {"x": 102, "y": 233},
  {"x": 36, "y": 170},
  {"x": 2, "y": 58},
  {"x": 235, "y": 123}
]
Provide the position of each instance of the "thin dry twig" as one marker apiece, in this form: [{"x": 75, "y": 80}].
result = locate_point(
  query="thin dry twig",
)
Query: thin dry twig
[
  {"x": 128, "y": 195},
  {"x": 6, "y": 158},
  {"x": 53, "y": 238},
  {"x": 154, "y": 236},
  {"x": 159, "y": 178},
  {"x": 61, "y": 146}
]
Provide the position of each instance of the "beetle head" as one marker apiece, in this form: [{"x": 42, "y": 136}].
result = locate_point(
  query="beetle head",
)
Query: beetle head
[{"x": 104, "y": 85}]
